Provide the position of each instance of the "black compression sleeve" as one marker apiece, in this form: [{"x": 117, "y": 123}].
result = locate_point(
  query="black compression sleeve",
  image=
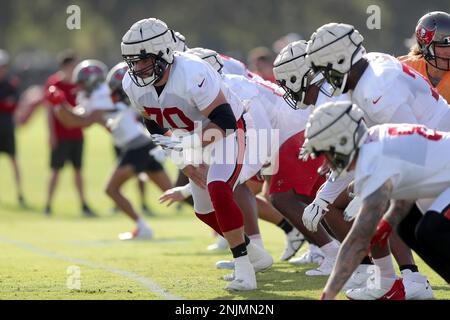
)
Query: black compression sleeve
[
  {"x": 223, "y": 117},
  {"x": 153, "y": 127}
]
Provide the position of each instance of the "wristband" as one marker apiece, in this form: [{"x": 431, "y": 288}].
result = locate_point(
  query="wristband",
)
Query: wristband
[{"x": 186, "y": 190}]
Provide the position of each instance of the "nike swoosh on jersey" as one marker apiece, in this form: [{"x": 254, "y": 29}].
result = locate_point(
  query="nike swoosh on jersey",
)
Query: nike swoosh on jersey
[
  {"x": 376, "y": 101},
  {"x": 201, "y": 84}
]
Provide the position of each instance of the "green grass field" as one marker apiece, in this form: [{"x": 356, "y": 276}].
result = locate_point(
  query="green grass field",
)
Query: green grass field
[{"x": 37, "y": 252}]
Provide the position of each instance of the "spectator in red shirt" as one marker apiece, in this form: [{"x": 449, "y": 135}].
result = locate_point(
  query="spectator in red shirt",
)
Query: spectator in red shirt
[
  {"x": 9, "y": 97},
  {"x": 260, "y": 61},
  {"x": 66, "y": 143}
]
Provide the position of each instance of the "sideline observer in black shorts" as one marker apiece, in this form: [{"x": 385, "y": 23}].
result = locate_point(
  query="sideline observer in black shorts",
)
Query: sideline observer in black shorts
[
  {"x": 7, "y": 137},
  {"x": 67, "y": 150},
  {"x": 9, "y": 97}
]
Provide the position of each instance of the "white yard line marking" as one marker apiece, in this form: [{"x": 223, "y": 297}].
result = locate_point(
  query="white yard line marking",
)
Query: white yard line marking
[{"x": 146, "y": 282}]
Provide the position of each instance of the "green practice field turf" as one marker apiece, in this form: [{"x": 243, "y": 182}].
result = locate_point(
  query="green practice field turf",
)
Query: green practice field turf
[{"x": 41, "y": 256}]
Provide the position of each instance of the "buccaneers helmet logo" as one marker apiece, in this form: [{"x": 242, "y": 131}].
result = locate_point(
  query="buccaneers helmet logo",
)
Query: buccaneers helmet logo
[{"x": 425, "y": 36}]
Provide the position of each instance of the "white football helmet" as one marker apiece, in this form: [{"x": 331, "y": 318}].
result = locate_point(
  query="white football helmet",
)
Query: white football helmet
[
  {"x": 180, "y": 42},
  {"x": 336, "y": 129},
  {"x": 291, "y": 70},
  {"x": 210, "y": 56},
  {"x": 333, "y": 49},
  {"x": 148, "y": 38}
]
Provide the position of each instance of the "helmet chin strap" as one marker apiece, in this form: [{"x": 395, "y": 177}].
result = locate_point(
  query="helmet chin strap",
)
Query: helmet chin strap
[
  {"x": 344, "y": 171},
  {"x": 359, "y": 137},
  {"x": 340, "y": 90},
  {"x": 334, "y": 175},
  {"x": 431, "y": 56}
]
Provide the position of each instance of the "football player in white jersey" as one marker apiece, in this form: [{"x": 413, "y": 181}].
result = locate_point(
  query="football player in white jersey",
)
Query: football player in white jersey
[
  {"x": 386, "y": 91},
  {"x": 384, "y": 88},
  {"x": 303, "y": 89},
  {"x": 241, "y": 193},
  {"x": 390, "y": 161},
  {"x": 180, "y": 91},
  {"x": 137, "y": 153}
]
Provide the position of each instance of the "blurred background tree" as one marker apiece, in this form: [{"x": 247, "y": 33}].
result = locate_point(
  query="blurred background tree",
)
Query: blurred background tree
[{"x": 34, "y": 31}]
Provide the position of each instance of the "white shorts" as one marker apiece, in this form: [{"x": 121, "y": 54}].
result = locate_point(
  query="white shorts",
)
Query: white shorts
[{"x": 240, "y": 164}]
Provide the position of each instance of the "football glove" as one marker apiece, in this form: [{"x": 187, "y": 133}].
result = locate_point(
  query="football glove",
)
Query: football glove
[
  {"x": 314, "y": 213},
  {"x": 166, "y": 142},
  {"x": 352, "y": 209}
]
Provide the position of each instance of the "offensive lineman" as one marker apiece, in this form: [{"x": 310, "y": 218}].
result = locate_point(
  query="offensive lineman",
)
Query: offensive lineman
[
  {"x": 177, "y": 90},
  {"x": 390, "y": 161}
]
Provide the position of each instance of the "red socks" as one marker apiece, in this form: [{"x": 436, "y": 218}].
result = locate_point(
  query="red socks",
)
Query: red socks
[{"x": 228, "y": 214}]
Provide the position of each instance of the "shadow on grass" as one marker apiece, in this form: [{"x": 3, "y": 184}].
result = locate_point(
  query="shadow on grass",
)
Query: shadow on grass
[
  {"x": 445, "y": 288},
  {"x": 114, "y": 242},
  {"x": 201, "y": 253},
  {"x": 281, "y": 278},
  {"x": 16, "y": 208}
]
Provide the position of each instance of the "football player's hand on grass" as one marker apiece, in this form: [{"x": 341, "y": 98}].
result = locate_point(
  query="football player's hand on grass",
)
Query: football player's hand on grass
[{"x": 171, "y": 196}]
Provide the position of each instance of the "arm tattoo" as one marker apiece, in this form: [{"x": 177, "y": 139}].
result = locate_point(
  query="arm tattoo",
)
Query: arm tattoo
[{"x": 355, "y": 245}]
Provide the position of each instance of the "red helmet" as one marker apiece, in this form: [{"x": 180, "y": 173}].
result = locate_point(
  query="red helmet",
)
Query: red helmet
[{"x": 433, "y": 30}]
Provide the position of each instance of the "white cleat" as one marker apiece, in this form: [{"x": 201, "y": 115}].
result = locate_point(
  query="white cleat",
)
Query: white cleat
[
  {"x": 137, "y": 234},
  {"x": 324, "y": 269},
  {"x": 244, "y": 279},
  {"x": 313, "y": 255},
  {"x": 259, "y": 258},
  {"x": 220, "y": 245},
  {"x": 358, "y": 278},
  {"x": 417, "y": 286},
  {"x": 379, "y": 289},
  {"x": 225, "y": 264},
  {"x": 294, "y": 241}
]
